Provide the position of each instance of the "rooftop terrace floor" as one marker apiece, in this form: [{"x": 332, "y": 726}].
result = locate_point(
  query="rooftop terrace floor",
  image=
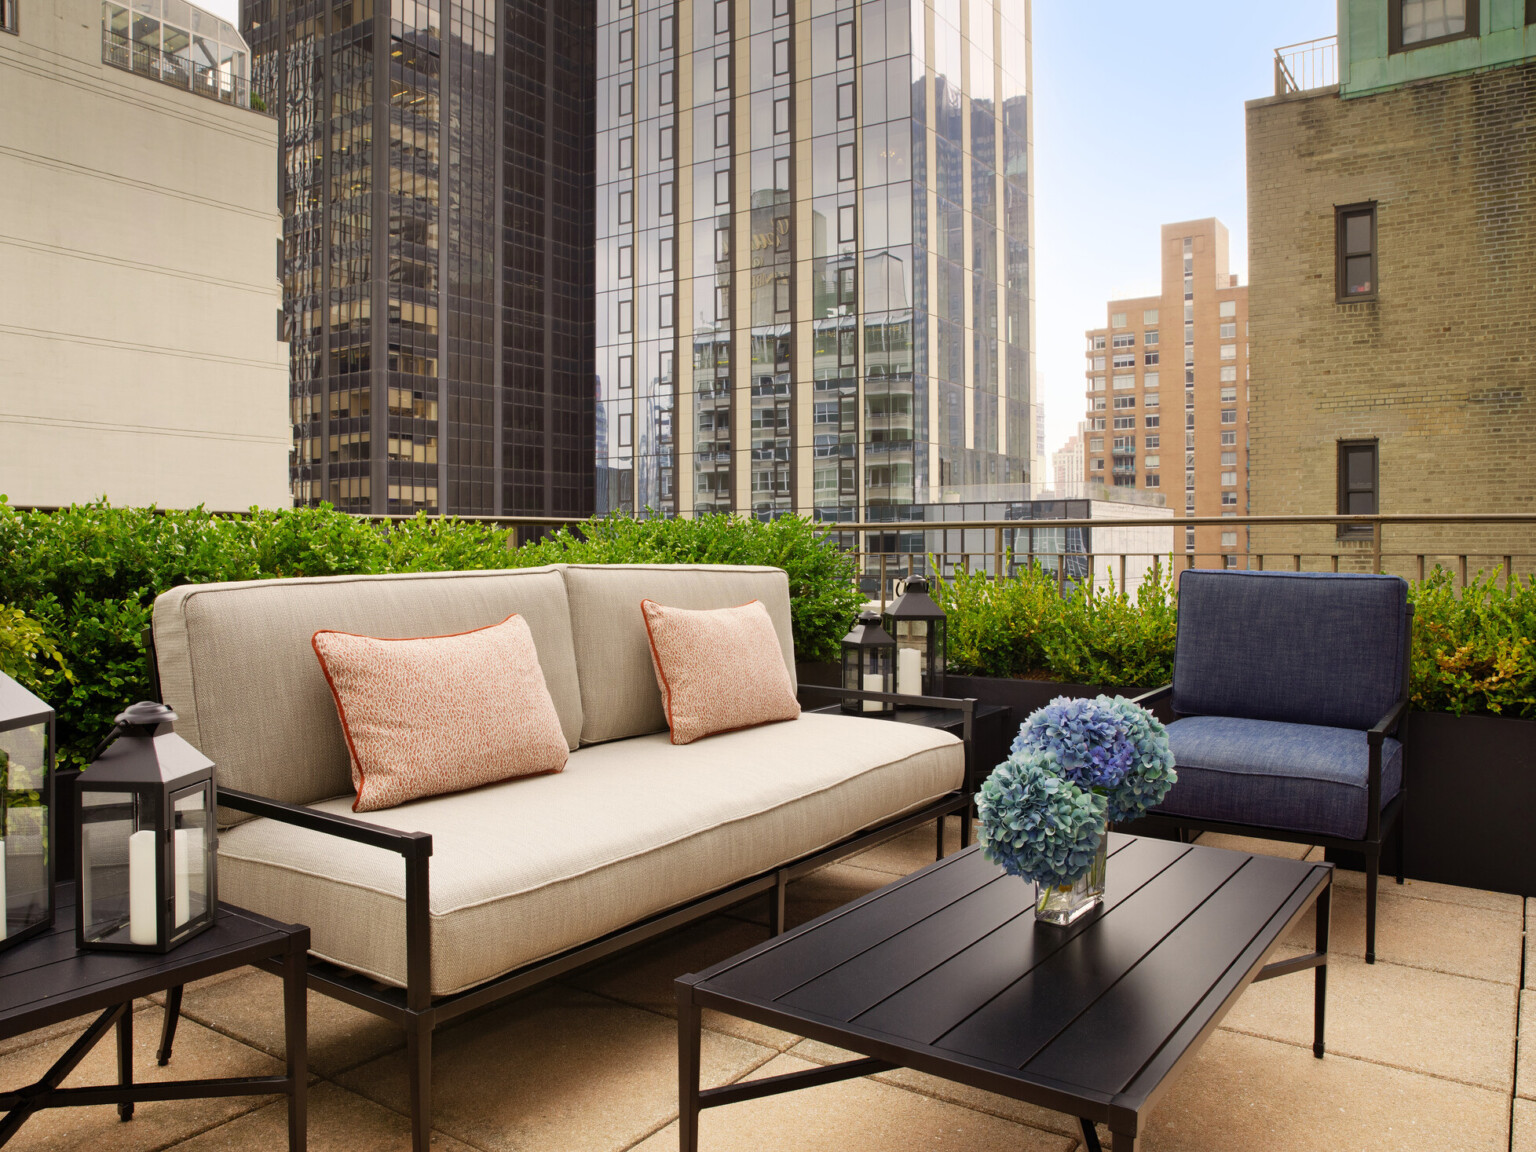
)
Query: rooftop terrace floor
[{"x": 1423, "y": 1052}]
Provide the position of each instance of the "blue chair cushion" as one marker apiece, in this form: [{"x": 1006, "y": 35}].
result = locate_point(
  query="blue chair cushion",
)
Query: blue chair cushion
[
  {"x": 1303, "y": 647},
  {"x": 1300, "y": 777}
]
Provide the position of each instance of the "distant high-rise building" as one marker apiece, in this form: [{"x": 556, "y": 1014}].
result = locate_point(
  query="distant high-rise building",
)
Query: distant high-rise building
[
  {"x": 1168, "y": 391},
  {"x": 1392, "y": 233},
  {"x": 813, "y": 263},
  {"x": 140, "y": 357},
  {"x": 1067, "y": 465},
  {"x": 436, "y": 185}
]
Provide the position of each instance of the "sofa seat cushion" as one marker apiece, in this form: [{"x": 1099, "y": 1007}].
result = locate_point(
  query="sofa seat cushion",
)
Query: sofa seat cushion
[
  {"x": 1300, "y": 777},
  {"x": 527, "y": 868}
]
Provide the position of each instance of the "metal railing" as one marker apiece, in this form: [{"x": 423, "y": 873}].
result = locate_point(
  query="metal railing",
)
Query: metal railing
[
  {"x": 178, "y": 71},
  {"x": 1308, "y": 65}
]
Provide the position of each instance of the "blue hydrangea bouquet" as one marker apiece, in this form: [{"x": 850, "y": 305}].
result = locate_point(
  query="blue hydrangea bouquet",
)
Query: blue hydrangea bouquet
[{"x": 1076, "y": 766}]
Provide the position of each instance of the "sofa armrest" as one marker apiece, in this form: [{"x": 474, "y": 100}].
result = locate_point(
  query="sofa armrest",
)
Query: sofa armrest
[
  {"x": 407, "y": 844},
  {"x": 414, "y": 847}
]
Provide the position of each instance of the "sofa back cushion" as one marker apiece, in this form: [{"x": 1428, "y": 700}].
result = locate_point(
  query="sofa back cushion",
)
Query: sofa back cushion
[
  {"x": 619, "y": 694},
  {"x": 1299, "y": 647},
  {"x": 237, "y": 665}
]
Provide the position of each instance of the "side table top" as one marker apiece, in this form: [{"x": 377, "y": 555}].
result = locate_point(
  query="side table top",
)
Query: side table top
[
  {"x": 47, "y": 979},
  {"x": 948, "y": 972}
]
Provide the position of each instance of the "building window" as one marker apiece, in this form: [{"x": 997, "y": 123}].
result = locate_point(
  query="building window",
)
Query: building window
[
  {"x": 1417, "y": 23},
  {"x": 1098, "y": 465},
  {"x": 1229, "y": 499},
  {"x": 723, "y": 187},
  {"x": 626, "y": 262},
  {"x": 1229, "y": 372},
  {"x": 1229, "y": 479},
  {"x": 1098, "y": 363},
  {"x": 722, "y": 129},
  {"x": 1117, "y": 320},
  {"x": 1151, "y": 358},
  {"x": 781, "y": 294},
  {"x": 1153, "y": 441},
  {"x": 845, "y": 224},
  {"x": 626, "y": 152},
  {"x": 1098, "y": 383},
  {"x": 1122, "y": 382},
  {"x": 1152, "y": 421},
  {"x": 722, "y": 304},
  {"x": 1151, "y": 399},
  {"x": 1097, "y": 423},
  {"x": 722, "y": 17},
  {"x": 845, "y": 162},
  {"x": 1229, "y": 415},
  {"x": 664, "y": 145},
  {"x": 1098, "y": 343},
  {"x": 1149, "y": 316},
  {"x": 781, "y": 116},
  {"x": 1125, "y": 360},
  {"x": 626, "y": 429},
  {"x": 1125, "y": 401},
  {"x": 626, "y": 206},
  {"x": 781, "y": 57},
  {"x": 722, "y": 245},
  {"x": 665, "y": 256},
  {"x": 845, "y": 101},
  {"x": 666, "y": 199},
  {"x": 664, "y": 33},
  {"x": 1125, "y": 340},
  {"x": 1229, "y": 395},
  {"x": 845, "y": 41},
  {"x": 1356, "y": 228},
  {"x": 1359, "y": 485},
  {"x": 626, "y": 373},
  {"x": 1229, "y": 331},
  {"x": 626, "y": 316},
  {"x": 627, "y": 99},
  {"x": 1125, "y": 422},
  {"x": 1154, "y": 480},
  {"x": 1096, "y": 444},
  {"x": 1229, "y": 439},
  {"x": 626, "y": 44},
  {"x": 667, "y": 311},
  {"x": 722, "y": 73},
  {"x": 1150, "y": 380},
  {"x": 668, "y": 88}
]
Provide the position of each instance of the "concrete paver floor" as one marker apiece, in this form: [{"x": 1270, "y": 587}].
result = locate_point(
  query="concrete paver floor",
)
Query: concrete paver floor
[{"x": 1427, "y": 1050}]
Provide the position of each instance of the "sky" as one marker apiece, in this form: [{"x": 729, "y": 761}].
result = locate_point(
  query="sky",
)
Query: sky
[{"x": 1138, "y": 123}]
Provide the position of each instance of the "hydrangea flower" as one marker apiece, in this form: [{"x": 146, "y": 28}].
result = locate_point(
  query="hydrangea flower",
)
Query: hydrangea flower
[
  {"x": 1074, "y": 765},
  {"x": 1037, "y": 823}
]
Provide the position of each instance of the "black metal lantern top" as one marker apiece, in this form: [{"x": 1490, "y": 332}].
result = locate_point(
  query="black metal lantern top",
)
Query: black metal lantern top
[
  {"x": 26, "y": 814},
  {"x": 145, "y": 837},
  {"x": 869, "y": 665},
  {"x": 918, "y": 625}
]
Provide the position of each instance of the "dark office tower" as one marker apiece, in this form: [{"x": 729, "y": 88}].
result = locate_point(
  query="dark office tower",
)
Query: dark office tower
[{"x": 436, "y": 169}]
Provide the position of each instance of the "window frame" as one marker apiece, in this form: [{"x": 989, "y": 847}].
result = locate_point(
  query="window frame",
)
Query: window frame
[
  {"x": 1344, "y": 447},
  {"x": 1395, "y": 27},
  {"x": 1341, "y": 213}
]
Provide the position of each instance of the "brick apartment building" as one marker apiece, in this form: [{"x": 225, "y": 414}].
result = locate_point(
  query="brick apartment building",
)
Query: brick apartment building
[
  {"x": 1392, "y": 231},
  {"x": 1167, "y": 391}
]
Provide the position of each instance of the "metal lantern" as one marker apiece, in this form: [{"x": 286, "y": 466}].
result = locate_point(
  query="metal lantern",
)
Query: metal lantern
[
  {"x": 26, "y": 813},
  {"x": 917, "y": 624},
  {"x": 869, "y": 665},
  {"x": 145, "y": 838}
]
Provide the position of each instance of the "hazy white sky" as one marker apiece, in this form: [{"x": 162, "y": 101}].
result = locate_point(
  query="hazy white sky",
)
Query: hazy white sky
[{"x": 1138, "y": 123}]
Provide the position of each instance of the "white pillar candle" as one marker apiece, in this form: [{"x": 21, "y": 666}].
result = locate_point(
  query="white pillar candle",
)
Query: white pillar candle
[
  {"x": 872, "y": 684},
  {"x": 143, "y": 924},
  {"x": 909, "y": 672},
  {"x": 183, "y": 876}
]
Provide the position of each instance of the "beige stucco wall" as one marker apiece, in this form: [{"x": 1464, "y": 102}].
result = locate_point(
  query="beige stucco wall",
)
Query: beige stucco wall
[{"x": 139, "y": 352}]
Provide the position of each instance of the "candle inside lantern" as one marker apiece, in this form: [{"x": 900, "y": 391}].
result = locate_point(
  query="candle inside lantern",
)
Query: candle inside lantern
[
  {"x": 143, "y": 924},
  {"x": 872, "y": 684},
  {"x": 909, "y": 672},
  {"x": 183, "y": 876}
]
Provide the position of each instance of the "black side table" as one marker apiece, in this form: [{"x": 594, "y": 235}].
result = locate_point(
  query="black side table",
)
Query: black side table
[
  {"x": 992, "y": 732},
  {"x": 47, "y": 980}
]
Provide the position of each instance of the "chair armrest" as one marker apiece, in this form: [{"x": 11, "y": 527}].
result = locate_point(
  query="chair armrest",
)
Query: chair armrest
[
  {"x": 412, "y": 845},
  {"x": 1156, "y": 696},
  {"x": 1387, "y": 725}
]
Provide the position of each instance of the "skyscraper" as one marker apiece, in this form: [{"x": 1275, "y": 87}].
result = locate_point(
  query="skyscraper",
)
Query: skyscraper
[
  {"x": 813, "y": 224},
  {"x": 1167, "y": 389},
  {"x": 435, "y": 171}
]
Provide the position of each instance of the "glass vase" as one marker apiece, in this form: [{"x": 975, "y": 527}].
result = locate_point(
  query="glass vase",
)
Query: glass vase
[{"x": 1063, "y": 904}]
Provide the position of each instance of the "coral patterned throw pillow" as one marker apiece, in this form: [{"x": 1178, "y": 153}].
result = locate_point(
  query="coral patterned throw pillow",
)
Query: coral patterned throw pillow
[
  {"x": 441, "y": 713},
  {"x": 719, "y": 669}
]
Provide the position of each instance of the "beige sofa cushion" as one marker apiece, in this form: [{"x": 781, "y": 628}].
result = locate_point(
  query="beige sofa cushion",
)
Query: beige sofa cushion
[
  {"x": 619, "y": 695},
  {"x": 261, "y": 709},
  {"x": 527, "y": 868}
]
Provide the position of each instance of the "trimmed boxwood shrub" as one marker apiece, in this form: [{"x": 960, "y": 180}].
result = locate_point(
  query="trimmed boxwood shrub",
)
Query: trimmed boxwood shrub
[{"x": 77, "y": 586}]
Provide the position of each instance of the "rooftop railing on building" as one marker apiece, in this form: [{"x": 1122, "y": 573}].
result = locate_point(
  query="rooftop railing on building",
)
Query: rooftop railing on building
[
  {"x": 1306, "y": 66},
  {"x": 179, "y": 71}
]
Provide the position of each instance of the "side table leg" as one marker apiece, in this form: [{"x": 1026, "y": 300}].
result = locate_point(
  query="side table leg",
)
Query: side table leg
[
  {"x": 296, "y": 1045},
  {"x": 168, "y": 1025},
  {"x": 1320, "y": 978},
  {"x": 689, "y": 1025},
  {"x": 125, "y": 1058}
]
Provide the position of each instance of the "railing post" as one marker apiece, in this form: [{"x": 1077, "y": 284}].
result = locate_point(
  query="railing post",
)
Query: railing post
[
  {"x": 1461, "y": 568},
  {"x": 882, "y": 583},
  {"x": 1421, "y": 568},
  {"x": 1509, "y": 573},
  {"x": 1260, "y": 558},
  {"x": 1335, "y": 561},
  {"x": 1376, "y": 547},
  {"x": 997, "y": 553},
  {"x": 1122, "y": 573},
  {"x": 1296, "y": 561}
]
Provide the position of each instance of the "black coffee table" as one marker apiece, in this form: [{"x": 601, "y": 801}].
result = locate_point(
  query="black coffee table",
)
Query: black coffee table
[
  {"x": 46, "y": 981},
  {"x": 947, "y": 972}
]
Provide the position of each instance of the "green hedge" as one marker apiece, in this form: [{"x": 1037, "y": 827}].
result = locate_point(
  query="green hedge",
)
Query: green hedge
[
  {"x": 77, "y": 586},
  {"x": 1474, "y": 651}
]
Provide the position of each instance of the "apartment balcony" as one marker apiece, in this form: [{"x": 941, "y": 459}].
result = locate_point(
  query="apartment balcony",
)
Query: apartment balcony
[{"x": 1308, "y": 66}]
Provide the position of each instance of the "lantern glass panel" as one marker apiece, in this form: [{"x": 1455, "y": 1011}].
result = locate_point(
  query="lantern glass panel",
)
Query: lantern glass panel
[
  {"x": 24, "y": 846},
  {"x": 118, "y": 863},
  {"x": 868, "y": 668},
  {"x": 193, "y": 858},
  {"x": 911, "y": 657}
]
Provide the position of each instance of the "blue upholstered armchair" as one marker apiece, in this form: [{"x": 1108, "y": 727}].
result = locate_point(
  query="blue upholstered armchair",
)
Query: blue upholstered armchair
[{"x": 1289, "y": 688}]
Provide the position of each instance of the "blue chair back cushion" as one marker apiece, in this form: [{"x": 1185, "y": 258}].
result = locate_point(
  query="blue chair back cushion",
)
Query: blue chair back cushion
[
  {"x": 1299, "y": 777},
  {"x": 1298, "y": 647}
]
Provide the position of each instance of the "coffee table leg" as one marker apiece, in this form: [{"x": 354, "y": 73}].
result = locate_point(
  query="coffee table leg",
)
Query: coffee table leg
[
  {"x": 1320, "y": 987},
  {"x": 1122, "y": 1141},
  {"x": 296, "y": 1043},
  {"x": 689, "y": 1023},
  {"x": 125, "y": 1058}
]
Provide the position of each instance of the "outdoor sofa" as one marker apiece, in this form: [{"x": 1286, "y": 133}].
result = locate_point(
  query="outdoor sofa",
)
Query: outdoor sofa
[{"x": 534, "y": 876}]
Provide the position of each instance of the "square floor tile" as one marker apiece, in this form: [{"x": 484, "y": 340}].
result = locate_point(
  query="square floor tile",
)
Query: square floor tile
[
  {"x": 854, "y": 1116},
  {"x": 1412, "y": 889},
  {"x": 1409, "y": 1017},
  {"x": 1523, "y": 1136}
]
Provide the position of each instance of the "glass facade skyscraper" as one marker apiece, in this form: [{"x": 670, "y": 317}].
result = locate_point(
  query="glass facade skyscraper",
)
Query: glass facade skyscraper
[
  {"x": 436, "y": 169},
  {"x": 813, "y": 232}
]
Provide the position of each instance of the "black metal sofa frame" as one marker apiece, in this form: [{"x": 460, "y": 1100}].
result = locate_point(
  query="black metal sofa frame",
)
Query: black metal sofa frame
[{"x": 418, "y": 1013}]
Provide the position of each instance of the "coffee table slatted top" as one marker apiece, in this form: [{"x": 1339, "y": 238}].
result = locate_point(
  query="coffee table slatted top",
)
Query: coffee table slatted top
[{"x": 948, "y": 971}]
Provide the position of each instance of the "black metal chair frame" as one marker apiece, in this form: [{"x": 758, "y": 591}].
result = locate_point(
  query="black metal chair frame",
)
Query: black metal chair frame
[
  {"x": 1379, "y": 822},
  {"x": 418, "y": 1013}
]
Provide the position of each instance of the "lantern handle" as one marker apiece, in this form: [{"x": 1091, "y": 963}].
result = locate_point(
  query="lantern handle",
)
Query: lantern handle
[{"x": 144, "y": 714}]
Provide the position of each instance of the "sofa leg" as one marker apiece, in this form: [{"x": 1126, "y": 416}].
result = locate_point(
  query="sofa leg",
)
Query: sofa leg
[
  {"x": 418, "y": 1055},
  {"x": 776, "y": 902},
  {"x": 938, "y": 849},
  {"x": 1372, "y": 872}
]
